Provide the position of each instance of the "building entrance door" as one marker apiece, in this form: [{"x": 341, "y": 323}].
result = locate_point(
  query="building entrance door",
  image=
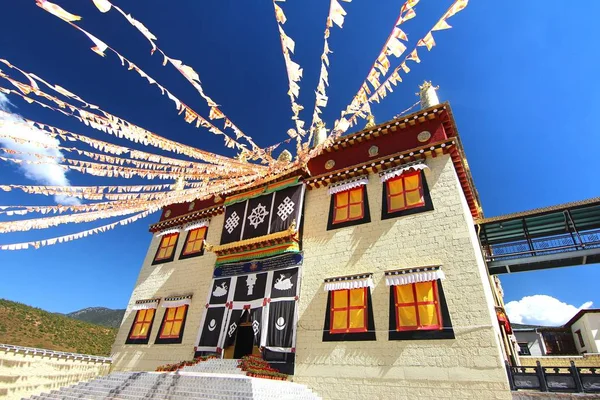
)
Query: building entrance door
[{"x": 244, "y": 342}]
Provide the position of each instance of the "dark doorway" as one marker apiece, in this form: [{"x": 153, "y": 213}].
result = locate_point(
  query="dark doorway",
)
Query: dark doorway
[{"x": 244, "y": 341}]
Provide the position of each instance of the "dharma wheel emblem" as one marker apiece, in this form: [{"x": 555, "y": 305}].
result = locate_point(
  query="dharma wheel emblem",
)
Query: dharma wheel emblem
[
  {"x": 329, "y": 164},
  {"x": 167, "y": 213},
  {"x": 373, "y": 151},
  {"x": 191, "y": 207},
  {"x": 424, "y": 136}
]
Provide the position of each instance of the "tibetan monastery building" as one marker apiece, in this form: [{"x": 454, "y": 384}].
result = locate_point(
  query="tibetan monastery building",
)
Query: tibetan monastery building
[{"x": 361, "y": 276}]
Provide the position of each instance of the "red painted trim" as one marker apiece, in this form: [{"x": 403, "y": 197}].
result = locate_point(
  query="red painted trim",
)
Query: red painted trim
[
  {"x": 347, "y": 309},
  {"x": 160, "y": 247},
  {"x": 142, "y": 323},
  {"x": 185, "y": 245},
  {"x": 348, "y": 204},
  {"x": 416, "y": 305},
  {"x": 403, "y": 193},
  {"x": 165, "y": 320}
]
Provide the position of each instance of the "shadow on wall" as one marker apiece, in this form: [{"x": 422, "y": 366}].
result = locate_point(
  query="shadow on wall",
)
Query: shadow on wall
[{"x": 163, "y": 280}]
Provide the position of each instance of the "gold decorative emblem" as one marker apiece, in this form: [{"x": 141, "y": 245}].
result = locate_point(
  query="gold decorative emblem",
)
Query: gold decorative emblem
[
  {"x": 191, "y": 207},
  {"x": 329, "y": 164},
  {"x": 167, "y": 213},
  {"x": 373, "y": 151},
  {"x": 218, "y": 198},
  {"x": 424, "y": 136}
]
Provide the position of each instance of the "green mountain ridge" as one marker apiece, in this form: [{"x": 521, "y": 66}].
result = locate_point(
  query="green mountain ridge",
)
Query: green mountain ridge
[
  {"x": 23, "y": 325},
  {"x": 99, "y": 316}
]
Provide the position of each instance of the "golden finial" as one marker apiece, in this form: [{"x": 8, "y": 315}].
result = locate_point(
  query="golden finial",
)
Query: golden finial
[
  {"x": 370, "y": 121},
  {"x": 179, "y": 184},
  {"x": 285, "y": 156}
]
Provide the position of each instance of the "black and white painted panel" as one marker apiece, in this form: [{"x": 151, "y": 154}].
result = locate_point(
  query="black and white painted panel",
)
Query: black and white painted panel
[{"x": 269, "y": 213}]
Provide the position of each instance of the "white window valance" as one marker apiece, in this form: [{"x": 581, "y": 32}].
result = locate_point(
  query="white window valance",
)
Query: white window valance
[
  {"x": 168, "y": 231},
  {"x": 348, "y": 184},
  {"x": 145, "y": 304},
  {"x": 197, "y": 224},
  {"x": 349, "y": 282},
  {"x": 399, "y": 170},
  {"x": 176, "y": 301},
  {"x": 413, "y": 275}
]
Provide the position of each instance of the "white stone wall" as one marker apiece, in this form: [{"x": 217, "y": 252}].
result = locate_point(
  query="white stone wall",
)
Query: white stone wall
[
  {"x": 470, "y": 366},
  {"x": 589, "y": 324},
  {"x": 534, "y": 341},
  {"x": 28, "y": 374},
  {"x": 179, "y": 277}
]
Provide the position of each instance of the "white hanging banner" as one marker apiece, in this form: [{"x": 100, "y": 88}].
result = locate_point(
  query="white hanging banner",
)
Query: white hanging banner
[
  {"x": 176, "y": 301},
  {"x": 399, "y": 170},
  {"x": 145, "y": 304},
  {"x": 348, "y": 184},
  {"x": 349, "y": 282},
  {"x": 413, "y": 275}
]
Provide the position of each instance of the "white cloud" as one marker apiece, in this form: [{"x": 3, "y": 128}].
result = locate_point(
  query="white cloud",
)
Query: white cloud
[
  {"x": 49, "y": 173},
  {"x": 541, "y": 309}
]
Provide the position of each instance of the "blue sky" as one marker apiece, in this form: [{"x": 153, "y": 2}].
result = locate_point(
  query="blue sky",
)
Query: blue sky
[{"x": 522, "y": 84}]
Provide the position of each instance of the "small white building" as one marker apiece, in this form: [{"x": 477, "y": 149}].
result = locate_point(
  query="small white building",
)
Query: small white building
[{"x": 581, "y": 334}]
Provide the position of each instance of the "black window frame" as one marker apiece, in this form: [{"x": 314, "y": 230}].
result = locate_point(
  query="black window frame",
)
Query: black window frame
[
  {"x": 524, "y": 349},
  {"x": 366, "y": 212},
  {"x": 447, "y": 331},
  {"x": 176, "y": 340},
  {"x": 428, "y": 206},
  {"x": 172, "y": 256},
  {"x": 369, "y": 335},
  {"x": 200, "y": 253},
  {"x": 147, "y": 338}
]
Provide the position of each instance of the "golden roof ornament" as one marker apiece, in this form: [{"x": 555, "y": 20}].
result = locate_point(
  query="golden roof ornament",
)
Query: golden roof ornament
[
  {"x": 370, "y": 121},
  {"x": 320, "y": 133},
  {"x": 285, "y": 157},
  {"x": 179, "y": 184},
  {"x": 428, "y": 95}
]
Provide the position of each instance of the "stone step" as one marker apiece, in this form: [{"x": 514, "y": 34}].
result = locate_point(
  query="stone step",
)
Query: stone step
[{"x": 181, "y": 386}]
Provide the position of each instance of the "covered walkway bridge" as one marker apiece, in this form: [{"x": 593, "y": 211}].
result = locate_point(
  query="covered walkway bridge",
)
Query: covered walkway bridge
[{"x": 558, "y": 236}]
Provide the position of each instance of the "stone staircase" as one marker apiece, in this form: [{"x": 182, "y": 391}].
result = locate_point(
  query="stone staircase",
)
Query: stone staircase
[{"x": 212, "y": 379}]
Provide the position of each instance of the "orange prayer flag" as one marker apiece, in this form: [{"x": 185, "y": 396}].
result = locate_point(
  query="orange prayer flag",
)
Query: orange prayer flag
[
  {"x": 409, "y": 15},
  {"x": 337, "y": 13},
  {"x": 441, "y": 25},
  {"x": 57, "y": 10},
  {"x": 427, "y": 41},
  {"x": 414, "y": 56},
  {"x": 215, "y": 113},
  {"x": 457, "y": 6},
  {"x": 102, "y": 5},
  {"x": 279, "y": 14}
]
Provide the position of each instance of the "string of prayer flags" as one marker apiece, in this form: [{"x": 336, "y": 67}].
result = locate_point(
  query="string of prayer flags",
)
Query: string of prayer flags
[
  {"x": 336, "y": 15},
  {"x": 189, "y": 73},
  {"x": 294, "y": 74},
  {"x": 100, "y": 47},
  {"x": 426, "y": 41},
  {"x": 57, "y": 11},
  {"x": 381, "y": 65},
  {"x": 124, "y": 129}
]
